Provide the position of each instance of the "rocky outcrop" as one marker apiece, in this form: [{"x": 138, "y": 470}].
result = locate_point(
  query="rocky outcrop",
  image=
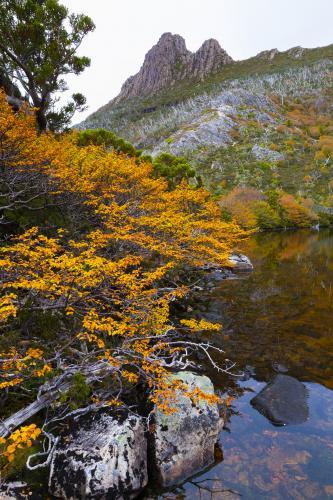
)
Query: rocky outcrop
[
  {"x": 105, "y": 455},
  {"x": 268, "y": 55},
  {"x": 184, "y": 441},
  {"x": 283, "y": 401},
  {"x": 240, "y": 263},
  {"x": 213, "y": 121},
  {"x": 266, "y": 154},
  {"x": 169, "y": 62},
  {"x": 296, "y": 52}
]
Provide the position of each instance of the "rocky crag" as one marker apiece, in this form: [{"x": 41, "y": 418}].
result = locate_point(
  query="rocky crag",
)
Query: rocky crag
[{"x": 170, "y": 62}]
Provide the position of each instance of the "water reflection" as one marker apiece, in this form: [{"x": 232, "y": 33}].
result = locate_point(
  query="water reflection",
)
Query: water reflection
[
  {"x": 283, "y": 312},
  {"x": 278, "y": 319}
]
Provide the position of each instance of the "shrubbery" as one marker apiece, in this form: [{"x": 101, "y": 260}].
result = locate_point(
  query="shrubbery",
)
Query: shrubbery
[
  {"x": 97, "y": 280},
  {"x": 253, "y": 209}
]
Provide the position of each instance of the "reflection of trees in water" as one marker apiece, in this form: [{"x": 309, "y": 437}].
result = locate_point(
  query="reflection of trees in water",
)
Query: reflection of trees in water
[{"x": 282, "y": 312}]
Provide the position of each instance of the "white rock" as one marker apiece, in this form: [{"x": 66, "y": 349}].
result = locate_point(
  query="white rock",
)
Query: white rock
[
  {"x": 184, "y": 441},
  {"x": 240, "y": 263},
  {"x": 102, "y": 458}
]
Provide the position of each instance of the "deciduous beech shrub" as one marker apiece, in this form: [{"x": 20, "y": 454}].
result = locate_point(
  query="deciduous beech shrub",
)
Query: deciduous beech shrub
[{"x": 103, "y": 278}]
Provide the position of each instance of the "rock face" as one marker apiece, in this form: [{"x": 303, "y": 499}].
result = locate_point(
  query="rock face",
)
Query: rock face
[
  {"x": 211, "y": 122},
  {"x": 169, "y": 61},
  {"x": 283, "y": 401},
  {"x": 268, "y": 55},
  {"x": 184, "y": 441},
  {"x": 241, "y": 263},
  {"x": 296, "y": 52},
  {"x": 104, "y": 457}
]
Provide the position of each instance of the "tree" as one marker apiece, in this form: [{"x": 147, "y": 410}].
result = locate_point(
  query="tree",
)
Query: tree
[{"x": 39, "y": 40}]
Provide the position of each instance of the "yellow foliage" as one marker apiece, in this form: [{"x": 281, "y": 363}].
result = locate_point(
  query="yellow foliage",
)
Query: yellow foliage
[
  {"x": 22, "y": 437},
  {"x": 103, "y": 282},
  {"x": 199, "y": 326}
]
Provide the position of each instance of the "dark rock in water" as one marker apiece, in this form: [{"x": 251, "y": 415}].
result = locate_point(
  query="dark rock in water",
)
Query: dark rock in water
[{"x": 283, "y": 401}]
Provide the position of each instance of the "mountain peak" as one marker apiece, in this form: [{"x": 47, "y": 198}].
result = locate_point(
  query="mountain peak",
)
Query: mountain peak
[{"x": 169, "y": 61}]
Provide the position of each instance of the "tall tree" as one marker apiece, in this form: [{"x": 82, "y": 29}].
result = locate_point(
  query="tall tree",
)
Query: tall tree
[{"x": 39, "y": 40}]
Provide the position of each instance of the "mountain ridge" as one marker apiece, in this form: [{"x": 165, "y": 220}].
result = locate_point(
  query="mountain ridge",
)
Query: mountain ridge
[
  {"x": 114, "y": 112},
  {"x": 169, "y": 61}
]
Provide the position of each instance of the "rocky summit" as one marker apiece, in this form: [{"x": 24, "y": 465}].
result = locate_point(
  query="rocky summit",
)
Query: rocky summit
[{"x": 169, "y": 61}]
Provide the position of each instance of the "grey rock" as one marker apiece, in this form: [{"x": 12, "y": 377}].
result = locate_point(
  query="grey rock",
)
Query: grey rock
[
  {"x": 262, "y": 153},
  {"x": 240, "y": 263},
  {"x": 283, "y": 401},
  {"x": 213, "y": 120},
  {"x": 169, "y": 62},
  {"x": 103, "y": 457},
  {"x": 184, "y": 441},
  {"x": 296, "y": 52},
  {"x": 268, "y": 55}
]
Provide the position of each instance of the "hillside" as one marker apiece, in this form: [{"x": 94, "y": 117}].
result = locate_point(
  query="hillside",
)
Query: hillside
[{"x": 264, "y": 123}]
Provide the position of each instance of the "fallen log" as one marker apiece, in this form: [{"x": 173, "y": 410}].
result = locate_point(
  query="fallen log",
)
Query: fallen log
[{"x": 51, "y": 393}]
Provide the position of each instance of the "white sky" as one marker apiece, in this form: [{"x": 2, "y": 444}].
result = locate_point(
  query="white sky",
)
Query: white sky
[{"x": 127, "y": 29}]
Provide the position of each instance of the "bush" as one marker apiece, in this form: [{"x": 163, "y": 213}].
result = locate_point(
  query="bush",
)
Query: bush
[
  {"x": 174, "y": 169},
  {"x": 267, "y": 217}
]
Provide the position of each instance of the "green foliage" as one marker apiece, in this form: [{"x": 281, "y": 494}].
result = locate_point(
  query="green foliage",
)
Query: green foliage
[
  {"x": 173, "y": 168},
  {"x": 16, "y": 468},
  {"x": 79, "y": 392},
  {"x": 267, "y": 217},
  {"x": 38, "y": 45},
  {"x": 102, "y": 137}
]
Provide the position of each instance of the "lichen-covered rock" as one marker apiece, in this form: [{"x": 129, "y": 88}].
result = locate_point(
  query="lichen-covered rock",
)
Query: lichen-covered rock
[
  {"x": 241, "y": 263},
  {"x": 283, "y": 401},
  {"x": 184, "y": 441},
  {"x": 104, "y": 457}
]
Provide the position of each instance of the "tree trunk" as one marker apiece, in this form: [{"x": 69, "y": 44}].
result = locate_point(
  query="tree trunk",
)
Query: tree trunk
[{"x": 41, "y": 119}]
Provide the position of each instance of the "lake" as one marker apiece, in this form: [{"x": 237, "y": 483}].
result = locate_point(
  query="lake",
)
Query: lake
[{"x": 276, "y": 321}]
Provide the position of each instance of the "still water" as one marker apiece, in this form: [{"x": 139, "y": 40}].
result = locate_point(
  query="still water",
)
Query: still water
[{"x": 277, "y": 319}]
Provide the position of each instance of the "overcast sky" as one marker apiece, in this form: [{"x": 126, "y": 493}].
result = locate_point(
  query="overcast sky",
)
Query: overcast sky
[{"x": 127, "y": 29}]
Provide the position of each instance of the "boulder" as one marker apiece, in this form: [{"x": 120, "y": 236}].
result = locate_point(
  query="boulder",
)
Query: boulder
[
  {"x": 184, "y": 442},
  {"x": 241, "y": 263},
  {"x": 103, "y": 457},
  {"x": 283, "y": 401}
]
